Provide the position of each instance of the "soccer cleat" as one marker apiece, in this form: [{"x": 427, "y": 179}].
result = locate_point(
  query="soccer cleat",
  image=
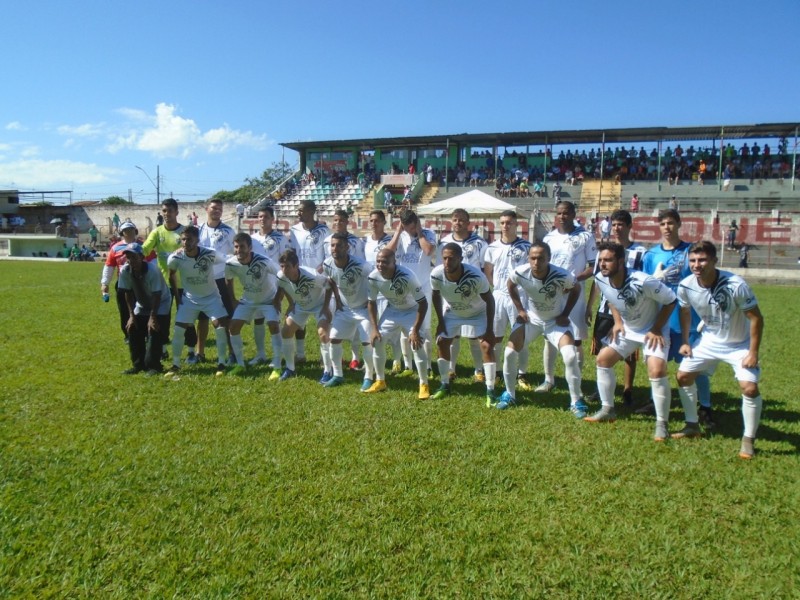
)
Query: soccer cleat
[
  {"x": 366, "y": 384},
  {"x": 152, "y": 372},
  {"x": 523, "y": 384},
  {"x": 443, "y": 391},
  {"x": 220, "y": 370},
  {"x": 690, "y": 431},
  {"x": 606, "y": 414},
  {"x": 275, "y": 375},
  {"x": 579, "y": 409},
  {"x": 544, "y": 387},
  {"x": 334, "y": 381},
  {"x": 231, "y": 360},
  {"x": 505, "y": 401},
  {"x": 355, "y": 365},
  {"x": 287, "y": 374},
  {"x": 172, "y": 372},
  {"x": 627, "y": 398},
  {"x": 593, "y": 397},
  {"x": 424, "y": 391},
  {"x": 259, "y": 360},
  {"x": 326, "y": 377},
  {"x": 706, "y": 418},
  {"x": 646, "y": 409},
  {"x": 406, "y": 373},
  {"x": 451, "y": 375},
  {"x": 131, "y": 371},
  {"x": 747, "y": 451},
  {"x": 662, "y": 432},
  {"x": 191, "y": 359},
  {"x": 238, "y": 371},
  {"x": 479, "y": 377},
  {"x": 490, "y": 399},
  {"x": 397, "y": 369},
  {"x": 378, "y": 386}
]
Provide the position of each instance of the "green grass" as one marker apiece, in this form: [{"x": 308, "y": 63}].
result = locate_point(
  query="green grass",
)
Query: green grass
[{"x": 119, "y": 487}]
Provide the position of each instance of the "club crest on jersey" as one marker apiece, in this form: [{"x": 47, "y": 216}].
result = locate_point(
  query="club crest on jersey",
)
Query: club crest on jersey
[
  {"x": 468, "y": 288},
  {"x": 629, "y": 293},
  {"x": 549, "y": 290},
  {"x": 721, "y": 297},
  {"x": 517, "y": 253},
  {"x": 203, "y": 264},
  {"x": 399, "y": 286},
  {"x": 270, "y": 244},
  {"x": 256, "y": 271},
  {"x": 304, "y": 286}
]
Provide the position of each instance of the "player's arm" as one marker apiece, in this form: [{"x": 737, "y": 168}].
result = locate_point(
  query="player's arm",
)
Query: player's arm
[
  {"x": 231, "y": 291},
  {"x": 155, "y": 302},
  {"x": 150, "y": 243},
  {"x": 686, "y": 329},
  {"x": 330, "y": 291},
  {"x": 586, "y": 273},
  {"x": 593, "y": 292},
  {"x": 395, "y": 241},
  {"x": 756, "y": 331},
  {"x": 512, "y": 291},
  {"x": 488, "y": 298},
  {"x": 619, "y": 325},
  {"x": 436, "y": 298},
  {"x": 173, "y": 285},
  {"x": 572, "y": 299},
  {"x": 488, "y": 270},
  {"x": 413, "y": 335},
  {"x": 427, "y": 247},
  {"x": 654, "y": 338},
  {"x": 372, "y": 311}
]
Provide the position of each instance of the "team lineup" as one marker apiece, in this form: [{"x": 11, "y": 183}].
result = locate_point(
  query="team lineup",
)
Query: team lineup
[{"x": 669, "y": 302}]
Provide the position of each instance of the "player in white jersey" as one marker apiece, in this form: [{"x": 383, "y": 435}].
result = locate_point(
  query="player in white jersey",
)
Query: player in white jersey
[
  {"x": 309, "y": 293},
  {"x": 473, "y": 249},
  {"x": 463, "y": 301},
  {"x": 574, "y": 249},
  {"x": 273, "y": 242},
  {"x": 195, "y": 267},
  {"x": 641, "y": 306},
  {"x": 501, "y": 258},
  {"x": 732, "y": 334},
  {"x": 405, "y": 310},
  {"x": 551, "y": 293},
  {"x": 258, "y": 276},
  {"x": 621, "y": 224},
  {"x": 351, "y": 319},
  {"x": 308, "y": 238},
  {"x": 415, "y": 249},
  {"x": 218, "y": 236}
]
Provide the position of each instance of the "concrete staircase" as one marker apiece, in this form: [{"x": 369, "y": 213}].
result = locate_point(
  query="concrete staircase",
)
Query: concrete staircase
[{"x": 600, "y": 197}]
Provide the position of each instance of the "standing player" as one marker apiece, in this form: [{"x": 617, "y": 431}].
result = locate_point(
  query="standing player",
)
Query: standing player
[
  {"x": 502, "y": 257},
  {"x": 258, "y": 276},
  {"x": 415, "y": 246},
  {"x": 195, "y": 267},
  {"x": 732, "y": 334},
  {"x": 351, "y": 319},
  {"x": 218, "y": 236},
  {"x": 468, "y": 310},
  {"x": 574, "y": 249},
  {"x": 621, "y": 223},
  {"x": 473, "y": 249},
  {"x": 551, "y": 294},
  {"x": 307, "y": 237},
  {"x": 669, "y": 262},
  {"x": 114, "y": 261},
  {"x": 309, "y": 294},
  {"x": 641, "y": 306},
  {"x": 405, "y": 310}
]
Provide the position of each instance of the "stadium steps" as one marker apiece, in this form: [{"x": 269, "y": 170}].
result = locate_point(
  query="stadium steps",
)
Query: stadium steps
[{"x": 600, "y": 197}]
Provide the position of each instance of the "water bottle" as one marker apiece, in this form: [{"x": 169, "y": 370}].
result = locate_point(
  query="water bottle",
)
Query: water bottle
[{"x": 105, "y": 297}]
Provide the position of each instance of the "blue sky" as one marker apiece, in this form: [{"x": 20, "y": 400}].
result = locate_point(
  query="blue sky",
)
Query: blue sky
[{"x": 207, "y": 90}]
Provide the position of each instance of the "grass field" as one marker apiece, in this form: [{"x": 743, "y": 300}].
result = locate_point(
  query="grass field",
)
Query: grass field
[{"x": 120, "y": 487}]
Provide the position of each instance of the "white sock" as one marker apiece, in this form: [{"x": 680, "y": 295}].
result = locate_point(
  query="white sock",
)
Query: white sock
[
  {"x": 422, "y": 361},
  {"x": 549, "y": 360},
  {"x": 238, "y": 348},
  {"x": 524, "y": 357},
  {"x": 221, "y": 340},
  {"x": 490, "y": 372},
  {"x": 455, "y": 348},
  {"x": 260, "y": 338},
  {"x": 688, "y": 396},
  {"x": 177, "y": 345},
  {"x": 579, "y": 352},
  {"x": 379, "y": 360},
  {"x": 288, "y": 347},
  {"x": 751, "y": 413},
  {"x": 369, "y": 368},
  {"x": 427, "y": 348},
  {"x": 661, "y": 397},
  {"x": 510, "y": 370},
  {"x": 606, "y": 385},
  {"x": 337, "y": 352},
  {"x": 405, "y": 348},
  {"x": 397, "y": 354},
  {"x": 325, "y": 355},
  {"x": 444, "y": 374},
  {"x": 477, "y": 355},
  {"x": 572, "y": 372},
  {"x": 301, "y": 347},
  {"x": 355, "y": 343},
  {"x": 277, "y": 350}
]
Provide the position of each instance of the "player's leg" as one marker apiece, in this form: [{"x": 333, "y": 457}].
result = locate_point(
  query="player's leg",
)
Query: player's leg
[
  {"x": 260, "y": 340},
  {"x": 323, "y": 331},
  {"x": 235, "y": 329},
  {"x": 455, "y": 350},
  {"x": 518, "y": 339},
  {"x": 572, "y": 371},
  {"x": 661, "y": 391},
  {"x": 605, "y": 375}
]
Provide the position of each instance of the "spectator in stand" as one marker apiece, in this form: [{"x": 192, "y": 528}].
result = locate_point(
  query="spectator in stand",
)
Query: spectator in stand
[
  {"x": 744, "y": 254},
  {"x": 727, "y": 175},
  {"x": 605, "y": 229},
  {"x": 731, "y": 237},
  {"x": 635, "y": 203}
]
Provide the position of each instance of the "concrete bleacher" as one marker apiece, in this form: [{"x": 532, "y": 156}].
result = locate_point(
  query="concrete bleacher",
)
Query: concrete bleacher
[{"x": 328, "y": 197}]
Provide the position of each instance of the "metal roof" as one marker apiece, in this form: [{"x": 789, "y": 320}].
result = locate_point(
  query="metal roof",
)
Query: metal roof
[{"x": 564, "y": 137}]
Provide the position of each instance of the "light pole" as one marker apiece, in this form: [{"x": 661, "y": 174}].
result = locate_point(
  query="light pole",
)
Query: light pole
[{"x": 156, "y": 183}]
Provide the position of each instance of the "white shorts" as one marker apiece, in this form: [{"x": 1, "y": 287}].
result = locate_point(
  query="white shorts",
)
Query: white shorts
[
  {"x": 190, "y": 308},
  {"x": 627, "y": 344},
  {"x": 393, "y": 321},
  {"x": 706, "y": 358},
  {"x": 247, "y": 312},
  {"x": 300, "y": 317},
  {"x": 505, "y": 314},
  {"x": 552, "y": 332},
  {"x": 348, "y": 321},
  {"x": 468, "y": 327}
]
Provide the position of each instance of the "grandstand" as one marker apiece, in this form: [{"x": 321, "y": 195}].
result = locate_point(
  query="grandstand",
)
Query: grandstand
[{"x": 328, "y": 197}]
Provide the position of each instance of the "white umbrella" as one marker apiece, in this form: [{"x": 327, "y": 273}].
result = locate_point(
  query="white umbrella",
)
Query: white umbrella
[{"x": 56, "y": 220}]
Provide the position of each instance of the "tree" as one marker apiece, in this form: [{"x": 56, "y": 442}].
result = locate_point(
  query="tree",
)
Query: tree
[
  {"x": 115, "y": 201},
  {"x": 257, "y": 187}
]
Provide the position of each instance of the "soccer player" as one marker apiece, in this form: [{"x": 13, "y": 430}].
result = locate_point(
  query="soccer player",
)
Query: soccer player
[
  {"x": 501, "y": 258},
  {"x": 551, "y": 294},
  {"x": 271, "y": 243},
  {"x": 307, "y": 237},
  {"x": 669, "y": 262},
  {"x": 406, "y": 305},
  {"x": 351, "y": 318},
  {"x": 415, "y": 246},
  {"x": 621, "y": 223},
  {"x": 218, "y": 236},
  {"x": 573, "y": 248},
  {"x": 641, "y": 306},
  {"x": 732, "y": 334},
  {"x": 258, "y": 276},
  {"x": 309, "y": 294},
  {"x": 164, "y": 240},
  {"x": 469, "y": 311},
  {"x": 195, "y": 267},
  {"x": 473, "y": 249},
  {"x": 148, "y": 303},
  {"x": 114, "y": 262}
]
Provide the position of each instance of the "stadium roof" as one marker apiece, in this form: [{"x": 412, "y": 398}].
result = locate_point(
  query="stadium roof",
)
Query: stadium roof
[{"x": 565, "y": 137}]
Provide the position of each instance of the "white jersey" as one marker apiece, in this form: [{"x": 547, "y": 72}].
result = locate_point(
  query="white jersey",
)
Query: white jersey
[
  {"x": 219, "y": 238},
  {"x": 351, "y": 280},
  {"x": 143, "y": 288},
  {"x": 372, "y": 247},
  {"x": 572, "y": 251},
  {"x": 463, "y": 297},
  {"x": 197, "y": 273},
  {"x": 403, "y": 291},
  {"x": 638, "y": 300},
  {"x": 634, "y": 260},
  {"x": 356, "y": 246},
  {"x": 721, "y": 307},
  {"x": 274, "y": 244},
  {"x": 309, "y": 244},
  {"x": 308, "y": 292},
  {"x": 410, "y": 255},
  {"x": 473, "y": 248},
  {"x": 546, "y": 297},
  {"x": 258, "y": 279},
  {"x": 504, "y": 258}
]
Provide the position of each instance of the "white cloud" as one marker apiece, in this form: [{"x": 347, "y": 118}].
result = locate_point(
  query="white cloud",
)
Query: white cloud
[
  {"x": 40, "y": 174},
  {"x": 16, "y": 126},
  {"x": 85, "y": 130},
  {"x": 29, "y": 152}
]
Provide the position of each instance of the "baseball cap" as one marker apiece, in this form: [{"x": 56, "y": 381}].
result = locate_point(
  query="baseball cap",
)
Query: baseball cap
[
  {"x": 126, "y": 225},
  {"x": 133, "y": 247}
]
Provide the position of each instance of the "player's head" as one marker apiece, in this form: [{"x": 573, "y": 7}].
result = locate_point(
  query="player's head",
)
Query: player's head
[
  {"x": 306, "y": 211},
  {"x": 340, "y": 247},
  {"x": 134, "y": 254},
  {"x": 289, "y": 263},
  {"x": 190, "y": 237},
  {"x": 565, "y": 216},
  {"x": 386, "y": 262},
  {"x": 377, "y": 220},
  {"x": 266, "y": 217},
  {"x": 214, "y": 208},
  {"x": 242, "y": 245},
  {"x": 702, "y": 258},
  {"x": 539, "y": 257},
  {"x": 340, "y": 220},
  {"x": 452, "y": 255},
  {"x": 460, "y": 221},
  {"x": 611, "y": 257},
  {"x": 621, "y": 223},
  {"x": 669, "y": 222},
  {"x": 128, "y": 231},
  {"x": 410, "y": 222},
  {"x": 169, "y": 210},
  {"x": 508, "y": 223}
]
